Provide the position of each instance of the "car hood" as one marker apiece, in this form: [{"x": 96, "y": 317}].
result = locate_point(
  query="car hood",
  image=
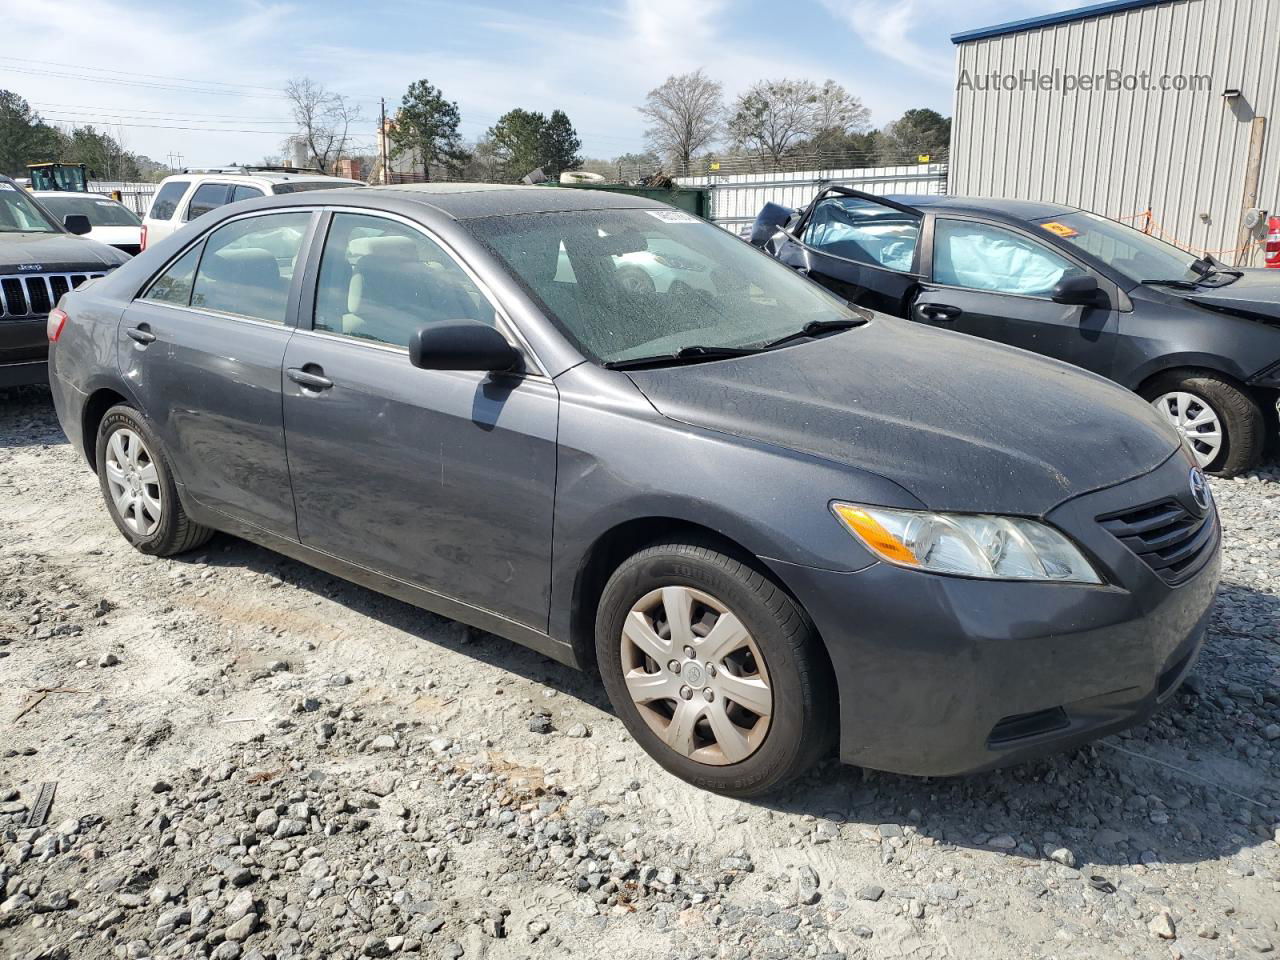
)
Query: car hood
[
  {"x": 54, "y": 253},
  {"x": 961, "y": 423},
  {"x": 1256, "y": 293}
]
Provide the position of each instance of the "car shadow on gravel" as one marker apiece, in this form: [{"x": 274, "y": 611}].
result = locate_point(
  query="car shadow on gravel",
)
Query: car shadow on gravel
[
  {"x": 1198, "y": 782},
  {"x": 431, "y": 629},
  {"x": 1168, "y": 791},
  {"x": 27, "y": 418}
]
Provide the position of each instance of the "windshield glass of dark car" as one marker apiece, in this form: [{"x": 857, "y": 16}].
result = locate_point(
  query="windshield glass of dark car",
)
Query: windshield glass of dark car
[
  {"x": 624, "y": 284},
  {"x": 100, "y": 211},
  {"x": 19, "y": 213},
  {"x": 1137, "y": 255}
]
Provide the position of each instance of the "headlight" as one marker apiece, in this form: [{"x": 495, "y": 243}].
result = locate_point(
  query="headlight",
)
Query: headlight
[{"x": 967, "y": 545}]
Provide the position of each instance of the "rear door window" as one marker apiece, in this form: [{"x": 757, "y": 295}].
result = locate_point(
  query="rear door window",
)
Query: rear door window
[
  {"x": 166, "y": 201},
  {"x": 247, "y": 267},
  {"x": 864, "y": 231},
  {"x": 208, "y": 196},
  {"x": 242, "y": 192},
  {"x": 174, "y": 285}
]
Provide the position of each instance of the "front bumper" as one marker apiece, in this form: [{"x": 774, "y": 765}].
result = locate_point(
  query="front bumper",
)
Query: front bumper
[{"x": 944, "y": 675}]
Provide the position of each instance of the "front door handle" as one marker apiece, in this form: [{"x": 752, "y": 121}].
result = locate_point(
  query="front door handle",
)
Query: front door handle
[
  {"x": 142, "y": 334},
  {"x": 939, "y": 312},
  {"x": 308, "y": 379}
]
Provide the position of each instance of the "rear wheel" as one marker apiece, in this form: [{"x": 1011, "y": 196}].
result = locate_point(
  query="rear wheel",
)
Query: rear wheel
[
  {"x": 1224, "y": 425},
  {"x": 138, "y": 487},
  {"x": 714, "y": 669}
]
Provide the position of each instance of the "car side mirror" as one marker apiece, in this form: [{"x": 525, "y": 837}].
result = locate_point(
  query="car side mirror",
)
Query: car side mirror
[
  {"x": 771, "y": 218},
  {"x": 77, "y": 223},
  {"x": 1080, "y": 291},
  {"x": 461, "y": 345}
]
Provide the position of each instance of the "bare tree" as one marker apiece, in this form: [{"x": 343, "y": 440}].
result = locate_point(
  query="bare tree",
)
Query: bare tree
[
  {"x": 772, "y": 115},
  {"x": 323, "y": 118},
  {"x": 687, "y": 115},
  {"x": 836, "y": 110}
]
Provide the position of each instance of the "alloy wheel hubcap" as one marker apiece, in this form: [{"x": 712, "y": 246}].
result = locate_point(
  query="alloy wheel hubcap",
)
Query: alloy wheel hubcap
[
  {"x": 1196, "y": 420},
  {"x": 134, "y": 482},
  {"x": 696, "y": 675}
]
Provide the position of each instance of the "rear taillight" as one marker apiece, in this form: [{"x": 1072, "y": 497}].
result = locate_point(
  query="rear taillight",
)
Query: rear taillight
[
  {"x": 1273, "y": 242},
  {"x": 142, "y": 244},
  {"x": 57, "y": 320}
]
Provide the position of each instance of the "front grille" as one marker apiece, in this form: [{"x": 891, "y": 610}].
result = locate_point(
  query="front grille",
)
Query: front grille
[
  {"x": 1166, "y": 536},
  {"x": 32, "y": 295}
]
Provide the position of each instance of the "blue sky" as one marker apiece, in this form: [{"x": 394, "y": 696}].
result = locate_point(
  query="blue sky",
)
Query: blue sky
[{"x": 116, "y": 62}]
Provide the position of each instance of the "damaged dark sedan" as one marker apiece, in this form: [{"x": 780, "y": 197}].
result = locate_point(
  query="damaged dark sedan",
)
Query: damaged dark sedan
[
  {"x": 776, "y": 524},
  {"x": 1198, "y": 339}
]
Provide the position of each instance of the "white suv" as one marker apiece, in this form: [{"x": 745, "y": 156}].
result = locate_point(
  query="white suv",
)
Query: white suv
[{"x": 185, "y": 196}]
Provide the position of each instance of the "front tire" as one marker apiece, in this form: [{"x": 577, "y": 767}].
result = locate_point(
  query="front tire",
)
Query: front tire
[
  {"x": 1225, "y": 425},
  {"x": 138, "y": 487},
  {"x": 714, "y": 669}
]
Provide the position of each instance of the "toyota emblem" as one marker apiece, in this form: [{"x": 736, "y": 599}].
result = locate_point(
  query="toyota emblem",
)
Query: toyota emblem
[{"x": 1200, "y": 489}]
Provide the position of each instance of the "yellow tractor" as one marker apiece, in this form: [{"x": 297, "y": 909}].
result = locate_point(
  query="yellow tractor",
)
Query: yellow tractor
[{"x": 72, "y": 177}]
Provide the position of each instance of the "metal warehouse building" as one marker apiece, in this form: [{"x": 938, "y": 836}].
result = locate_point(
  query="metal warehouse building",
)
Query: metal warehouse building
[{"x": 1166, "y": 106}]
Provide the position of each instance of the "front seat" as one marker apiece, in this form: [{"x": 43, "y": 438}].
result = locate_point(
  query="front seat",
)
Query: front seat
[{"x": 393, "y": 292}]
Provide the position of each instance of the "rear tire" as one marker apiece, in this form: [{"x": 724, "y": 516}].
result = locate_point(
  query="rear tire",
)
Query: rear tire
[
  {"x": 138, "y": 487},
  {"x": 768, "y": 653},
  {"x": 1244, "y": 425}
]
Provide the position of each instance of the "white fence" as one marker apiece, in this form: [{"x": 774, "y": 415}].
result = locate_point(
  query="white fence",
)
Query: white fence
[
  {"x": 736, "y": 199},
  {"x": 135, "y": 196}
]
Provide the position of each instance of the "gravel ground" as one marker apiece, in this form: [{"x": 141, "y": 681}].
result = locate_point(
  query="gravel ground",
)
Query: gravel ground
[{"x": 254, "y": 759}]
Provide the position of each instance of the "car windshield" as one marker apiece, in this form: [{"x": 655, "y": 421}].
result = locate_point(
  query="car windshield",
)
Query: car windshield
[
  {"x": 19, "y": 214},
  {"x": 1137, "y": 255},
  {"x": 625, "y": 284},
  {"x": 100, "y": 211}
]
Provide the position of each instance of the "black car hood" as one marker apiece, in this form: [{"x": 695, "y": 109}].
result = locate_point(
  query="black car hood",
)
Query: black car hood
[
  {"x": 961, "y": 423},
  {"x": 54, "y": 253},
  {"x": 1257, "y": 292}
]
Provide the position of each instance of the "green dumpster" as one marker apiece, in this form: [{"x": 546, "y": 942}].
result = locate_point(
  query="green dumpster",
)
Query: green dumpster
[{"x": 695, "y": 200}]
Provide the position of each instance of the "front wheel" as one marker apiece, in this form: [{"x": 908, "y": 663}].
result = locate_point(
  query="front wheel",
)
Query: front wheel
[
  {"x": 138, "y": 487},
  {"x": 1224, "y": 425},
  {"x": 714, "y": 669}
]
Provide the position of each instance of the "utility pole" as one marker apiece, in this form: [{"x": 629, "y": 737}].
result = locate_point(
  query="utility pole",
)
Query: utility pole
[
  {"x": 178, "y": 164},
  {"x": 382, "y": 137}
]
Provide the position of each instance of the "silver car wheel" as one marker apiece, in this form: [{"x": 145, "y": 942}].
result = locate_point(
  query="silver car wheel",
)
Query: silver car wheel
[
  {"x": 696, "y": 675},
  {"x": 134, "y": 482},
  {"x": 1196, "y": 420}
]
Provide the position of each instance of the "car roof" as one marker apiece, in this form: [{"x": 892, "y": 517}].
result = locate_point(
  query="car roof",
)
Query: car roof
[
  {"x": 469, "y": 201},
  {"x": 1009, "y": 209}
]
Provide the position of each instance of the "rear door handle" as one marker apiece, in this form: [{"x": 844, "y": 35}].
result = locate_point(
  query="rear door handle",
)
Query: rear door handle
[
  {"x": 142, "y": 334},
  {"x": 939, "y": 311},
  {"x": 312, "y": 381}
]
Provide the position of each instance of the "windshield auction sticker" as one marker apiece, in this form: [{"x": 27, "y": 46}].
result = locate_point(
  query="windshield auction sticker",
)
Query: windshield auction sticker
[
  {"x": 673, "y": 216},
  {"x": 1061, "y": 229}
]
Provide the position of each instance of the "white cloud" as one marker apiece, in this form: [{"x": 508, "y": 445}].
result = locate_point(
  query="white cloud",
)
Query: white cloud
[{"x": 892, "y": 27}]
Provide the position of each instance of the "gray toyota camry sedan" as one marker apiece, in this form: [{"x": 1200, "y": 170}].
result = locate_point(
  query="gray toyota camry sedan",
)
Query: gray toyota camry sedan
[{"x": 606, "y": 429}]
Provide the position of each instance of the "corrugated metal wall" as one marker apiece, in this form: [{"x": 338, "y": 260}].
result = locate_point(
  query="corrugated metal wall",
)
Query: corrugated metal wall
[
  {"x": 736, "y": 199},
  {"x": 1183, "y": 154}
]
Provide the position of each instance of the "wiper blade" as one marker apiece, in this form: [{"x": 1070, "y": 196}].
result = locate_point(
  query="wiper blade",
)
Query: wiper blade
[
  {"x": 1180, "y": 284},
  {"x": 815, "y": 327},
  {"x": 693, "y": 354}
]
